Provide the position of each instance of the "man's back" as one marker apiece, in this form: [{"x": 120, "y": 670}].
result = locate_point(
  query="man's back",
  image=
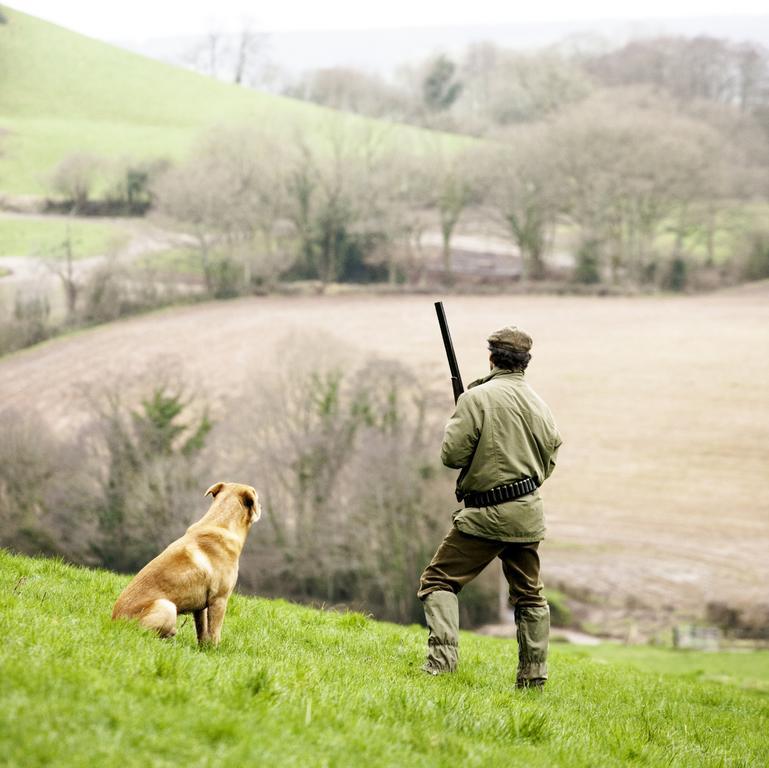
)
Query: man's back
[{"x": 502, "y": 431}]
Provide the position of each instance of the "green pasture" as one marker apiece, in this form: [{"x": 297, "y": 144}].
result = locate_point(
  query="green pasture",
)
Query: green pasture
[
  {"x": 61, "y": 92},
  {"x": 746, "y": 669},
  {"x": 44, "y": 238},
  {"x": 293, "y": 686},
  {"x": 176, "y": 261}
]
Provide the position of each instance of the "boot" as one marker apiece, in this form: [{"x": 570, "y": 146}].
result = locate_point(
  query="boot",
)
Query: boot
[
  {"x": 442, "y": 616},
  {"x": 532, "y": 631}
]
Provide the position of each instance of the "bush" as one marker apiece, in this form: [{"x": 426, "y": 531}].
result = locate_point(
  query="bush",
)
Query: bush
[
  {"x": 131, "y": 186},
  {"x": 224, "y": 278},
  {"x": 755, "y": 263},
  {"x": 148, "y": 484},
  {"x": 560, "y": 613},
  {"x": 29, "y": 324},
  {"x": 354, "y": 499},
  {"x": 588, "y": 268},
  {"x": 74, "y": 178},
  {"x": 104, "y": 295},
  {"x": 676, "y": 277},
  {"x": 40, "y": 484}
]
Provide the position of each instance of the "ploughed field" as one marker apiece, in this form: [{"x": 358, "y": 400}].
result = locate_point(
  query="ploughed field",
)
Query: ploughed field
[{"x": 660, "y": 502}]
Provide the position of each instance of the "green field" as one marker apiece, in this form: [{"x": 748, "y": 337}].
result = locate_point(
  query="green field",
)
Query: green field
[
  {"x": 44, "y": 238},
  {"x": 61, "y": 92},
  {"x": 293, "y": 686}
]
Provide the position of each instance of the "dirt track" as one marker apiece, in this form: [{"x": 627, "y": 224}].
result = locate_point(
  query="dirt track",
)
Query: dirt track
[{"x": 662, "y": 493}]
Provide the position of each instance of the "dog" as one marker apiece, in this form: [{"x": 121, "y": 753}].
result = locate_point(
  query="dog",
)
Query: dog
[{"x": 196, "y": 573}]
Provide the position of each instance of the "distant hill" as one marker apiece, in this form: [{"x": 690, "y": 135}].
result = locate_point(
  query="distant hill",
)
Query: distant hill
[
  {"x": 61, "y": 92},
  {"x": 384, "y": 50}
]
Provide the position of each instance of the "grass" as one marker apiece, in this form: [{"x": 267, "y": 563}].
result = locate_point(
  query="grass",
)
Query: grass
[
  {"x": 178, "y": 261},
  {"x": 44, "y": 237},
  {"x": 748, "y": 669},
  {"x": 61, "y": 92},
  {"x": 292, "y": 686}
]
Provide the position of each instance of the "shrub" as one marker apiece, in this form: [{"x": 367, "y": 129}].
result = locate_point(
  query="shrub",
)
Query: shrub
[
  {"x": 147, "y": 483},
  {"x": 29, "y": 324},
  {"x": 755, "y": 262},
  {"x": 38, "y": 478},
  {"x": 353, "y": 496},
  {"x": 74, "y": 178},
  {"x": 588, "y": 268},
  {"x": 131, "y": 184},
  {"x": 676, "y": 277}
]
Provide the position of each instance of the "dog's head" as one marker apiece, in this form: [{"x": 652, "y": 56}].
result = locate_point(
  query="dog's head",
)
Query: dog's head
[{"x": 243, "y": 498}]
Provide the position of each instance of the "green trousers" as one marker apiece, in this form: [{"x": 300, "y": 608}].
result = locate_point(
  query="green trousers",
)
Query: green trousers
[{"x": 459, "y": 559}]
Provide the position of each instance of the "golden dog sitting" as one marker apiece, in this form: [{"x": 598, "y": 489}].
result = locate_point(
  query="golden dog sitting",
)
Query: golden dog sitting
[{"x": 197, "y": 573}]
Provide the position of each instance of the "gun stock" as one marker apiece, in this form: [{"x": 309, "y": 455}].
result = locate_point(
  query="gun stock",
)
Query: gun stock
[{"x": 456, "y": 379}]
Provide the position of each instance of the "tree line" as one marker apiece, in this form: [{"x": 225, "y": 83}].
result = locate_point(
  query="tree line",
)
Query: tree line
[
  {"x": 489, "y": 86},
  {"x": 626, "y": 186},
  {"x": 620, "y": 167}
]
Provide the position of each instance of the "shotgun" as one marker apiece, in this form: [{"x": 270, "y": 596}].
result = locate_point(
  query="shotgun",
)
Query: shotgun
[{"x": 456, "y": 379}]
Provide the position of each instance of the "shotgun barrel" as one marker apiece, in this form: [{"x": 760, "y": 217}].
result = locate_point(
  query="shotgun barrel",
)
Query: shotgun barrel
[{"x": 456, "y": 379}]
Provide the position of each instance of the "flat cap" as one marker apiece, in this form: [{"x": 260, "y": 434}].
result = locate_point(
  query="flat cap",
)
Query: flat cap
[{"x": 511, "y": 337}]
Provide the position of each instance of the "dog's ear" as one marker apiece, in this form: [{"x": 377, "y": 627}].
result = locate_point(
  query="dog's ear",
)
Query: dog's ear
[
  {"x": 251, "y": 503},
  {"x": 214, "y": 489}
]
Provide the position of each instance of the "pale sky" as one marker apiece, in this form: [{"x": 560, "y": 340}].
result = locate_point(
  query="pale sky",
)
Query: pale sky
[{"x": 141, "y": 19}]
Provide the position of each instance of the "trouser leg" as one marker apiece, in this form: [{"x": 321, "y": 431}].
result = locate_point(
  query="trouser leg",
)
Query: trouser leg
[
  {"x": 458, "y": 560},
  {"x": 520, "y": 563}
]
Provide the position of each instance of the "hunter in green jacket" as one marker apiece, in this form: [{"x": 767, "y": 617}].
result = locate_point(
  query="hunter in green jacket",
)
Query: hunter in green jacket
[{"x": 504, "y": 440}]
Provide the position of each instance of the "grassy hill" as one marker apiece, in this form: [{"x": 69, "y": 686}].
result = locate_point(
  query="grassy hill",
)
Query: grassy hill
[
  {"x": 295, "y": 686},
  {"x": 44, "y": 237},
  {"x": 62, "y": 92}
]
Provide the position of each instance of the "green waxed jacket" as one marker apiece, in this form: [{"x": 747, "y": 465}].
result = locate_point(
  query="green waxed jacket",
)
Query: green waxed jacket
[{"x": 501, "y": 431}]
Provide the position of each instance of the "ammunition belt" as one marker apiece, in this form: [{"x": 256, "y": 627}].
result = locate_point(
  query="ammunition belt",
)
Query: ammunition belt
[{"x": 501, "y": 493}]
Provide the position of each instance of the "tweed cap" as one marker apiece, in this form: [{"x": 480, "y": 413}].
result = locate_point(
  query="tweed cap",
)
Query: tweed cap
[{"x": 511, "y": 337}]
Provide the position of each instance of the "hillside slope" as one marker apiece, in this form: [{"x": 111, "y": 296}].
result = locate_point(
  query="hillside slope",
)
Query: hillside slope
[
  {"x": 62, "y": 92},
  {"x": 295, "y": 686}
]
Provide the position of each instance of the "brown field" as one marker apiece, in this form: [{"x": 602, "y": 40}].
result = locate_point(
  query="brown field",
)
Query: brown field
[{"x": 661, "y": 499}]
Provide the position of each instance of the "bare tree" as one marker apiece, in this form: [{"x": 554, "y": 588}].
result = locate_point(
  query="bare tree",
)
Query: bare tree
[
  {"x": 402, "y": 193},
  {"x": 621, "y": 198},
  {"x": 228, "y": 192},
  {"x": 454, "y": 183},
  {"x": 351, "y": 90},
  {"x": 74, "y": 177},
  {"x": 40, "y": 476},
  {"x": 62, "y": 264},
  {"x": 332, "y": 200},
  {"x": 503, "y": 87},
  {"x": 524, "y": 192},
  {"x": 342, "y": 451},
  {"x": 248, "y": 46},
  {"x": 690, "y": 69}
]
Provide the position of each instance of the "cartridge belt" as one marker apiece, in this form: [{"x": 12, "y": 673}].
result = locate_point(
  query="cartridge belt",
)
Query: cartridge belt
[{"x": 500, "y": 494}]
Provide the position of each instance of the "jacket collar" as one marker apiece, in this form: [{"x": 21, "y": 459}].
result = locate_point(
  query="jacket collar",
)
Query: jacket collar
[{"x": 494, "y": 373}]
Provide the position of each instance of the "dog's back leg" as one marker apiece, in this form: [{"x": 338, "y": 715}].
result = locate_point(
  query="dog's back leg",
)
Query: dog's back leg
[
  {"x": 201, "y": 625},
  {"x": 160, "y": 616}
]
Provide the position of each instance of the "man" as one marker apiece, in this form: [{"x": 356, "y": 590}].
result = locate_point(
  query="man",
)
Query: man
[{"x": 503, "y": 439}]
